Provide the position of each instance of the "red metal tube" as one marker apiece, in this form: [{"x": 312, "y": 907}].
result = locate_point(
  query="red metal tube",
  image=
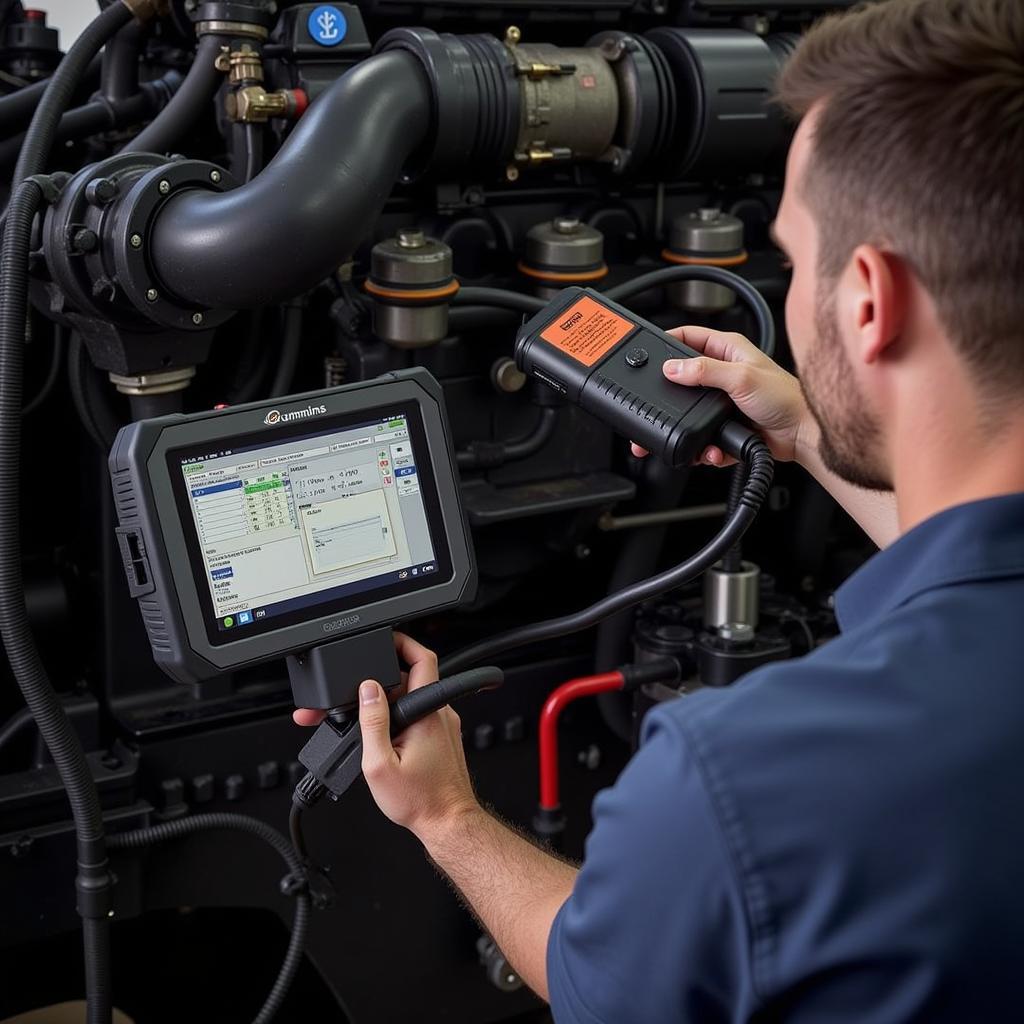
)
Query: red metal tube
[{"x": 585, "y": 686}]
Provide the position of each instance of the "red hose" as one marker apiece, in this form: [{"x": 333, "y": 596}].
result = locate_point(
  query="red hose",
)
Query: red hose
[{"x": 585, "y": 686}]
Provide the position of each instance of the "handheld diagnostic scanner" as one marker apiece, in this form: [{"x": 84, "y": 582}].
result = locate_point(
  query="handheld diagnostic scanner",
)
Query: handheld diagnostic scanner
[
  {"x": 278, "y": 528},
  {"x": 608, "y": 361}
]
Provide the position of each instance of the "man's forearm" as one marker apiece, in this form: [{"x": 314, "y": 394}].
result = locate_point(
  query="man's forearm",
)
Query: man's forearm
[
  {"x": 513, "y": 887},
  {"x": 874, "y": 511}
]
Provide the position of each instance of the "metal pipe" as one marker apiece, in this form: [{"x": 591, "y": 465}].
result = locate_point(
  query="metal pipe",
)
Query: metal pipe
[{"x": 610, "y": 523}]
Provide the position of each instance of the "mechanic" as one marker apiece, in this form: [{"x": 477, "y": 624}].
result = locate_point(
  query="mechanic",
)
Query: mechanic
[{"x": 838, "y": 837}]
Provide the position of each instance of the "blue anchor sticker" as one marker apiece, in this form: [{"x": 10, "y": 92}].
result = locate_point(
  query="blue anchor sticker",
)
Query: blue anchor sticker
[{"x": 327, "y": 25}]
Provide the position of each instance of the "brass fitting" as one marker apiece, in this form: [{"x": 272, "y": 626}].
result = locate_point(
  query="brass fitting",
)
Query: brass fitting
[
  {"x": 242, "y": 65},
  {"x": 254, "y": 105},
  {"x": 143, "y": 10}
]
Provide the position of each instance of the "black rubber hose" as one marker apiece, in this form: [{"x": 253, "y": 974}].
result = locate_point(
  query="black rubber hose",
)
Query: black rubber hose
[
  {"x": 753, "y": 299},
  {"x": 17, "y": 109},
  {"x": 102, "y": 115},
  {"x": 56, "y": 359},
  {"x": 288, "y": 360},
  {"x": 500, "y": 297},
  {"x": 148, "y": 407},
  {"x": 755, "y": 452},
  {"x": 261, "y": 830},
  {"x": 491, "y": 454},
  {"x": 119, "y": 76},
  {"x": 305, "y": 213},
  {"x": 43, "y": 129},
  {"x": 181, "y": 114},
  {"x": 93, "y": 879}
]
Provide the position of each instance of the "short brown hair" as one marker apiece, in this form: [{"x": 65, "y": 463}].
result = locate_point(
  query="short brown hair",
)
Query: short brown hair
[{"x": 919, "y": 148}]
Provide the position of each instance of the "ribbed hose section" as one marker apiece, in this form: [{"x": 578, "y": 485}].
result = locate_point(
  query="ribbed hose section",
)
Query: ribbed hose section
[
  {"x": 197, "y": 90},
  {"x": 261, "y": 830},
  {"x": 19, "y": 644},
  {"x": 43, "y": 129},
  {"x": 498, "y": 98},
  {"x": 733, "y": 560}
]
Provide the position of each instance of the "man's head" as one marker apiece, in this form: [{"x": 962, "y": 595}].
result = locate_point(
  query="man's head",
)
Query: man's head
[{"x": 903, "y": 213}]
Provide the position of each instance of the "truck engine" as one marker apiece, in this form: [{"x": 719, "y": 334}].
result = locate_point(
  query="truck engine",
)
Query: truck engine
[{"x": 214, "y": 202}]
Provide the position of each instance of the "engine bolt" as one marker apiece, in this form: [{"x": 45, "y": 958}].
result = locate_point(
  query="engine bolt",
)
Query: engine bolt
[
  {"x": 135, "y": 241},
  {"x": 84, "y": 240},
  {"x": 567, "y": 225},
  {"x": 512, "y": 35},
  {"x": 164, "y": 187},
  {"x": 411, "y": 238},
  {"x": 197, "y": 318},
  {"x": 151, "y": 295},
  {"x": 511, "y": 173},
  {"x": 215, "y": 176}
]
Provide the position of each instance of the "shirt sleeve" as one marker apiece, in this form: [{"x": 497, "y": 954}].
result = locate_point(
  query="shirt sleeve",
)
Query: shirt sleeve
[{"x": 655, "y": 929}]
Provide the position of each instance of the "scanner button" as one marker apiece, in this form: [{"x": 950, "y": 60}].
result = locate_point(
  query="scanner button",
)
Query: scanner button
[{"x": 637, "y": 356}]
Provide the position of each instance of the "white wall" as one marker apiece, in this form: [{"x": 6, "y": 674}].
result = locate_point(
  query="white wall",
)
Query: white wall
[{"x": 69, "y": 17}]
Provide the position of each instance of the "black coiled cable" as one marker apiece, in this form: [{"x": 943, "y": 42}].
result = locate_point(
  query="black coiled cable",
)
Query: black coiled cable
[
  {"x": 296, "y": 875},
  {"x": 750, "y": 449}
]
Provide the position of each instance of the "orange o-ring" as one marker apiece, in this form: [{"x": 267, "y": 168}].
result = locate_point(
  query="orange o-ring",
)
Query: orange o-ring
[
  {"x": 560, "y": 275},
  {"x": 708, "y": 261},
  {"x": 412, "y": 294}
]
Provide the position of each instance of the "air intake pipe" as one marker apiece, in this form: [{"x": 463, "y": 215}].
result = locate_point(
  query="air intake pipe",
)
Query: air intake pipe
[{"x": 178, "y": 246}]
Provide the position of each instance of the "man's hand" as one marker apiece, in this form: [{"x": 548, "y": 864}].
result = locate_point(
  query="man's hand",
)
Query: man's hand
[
  {"x": 420, "y": 781},
  {"x": 766, "y": 394}
]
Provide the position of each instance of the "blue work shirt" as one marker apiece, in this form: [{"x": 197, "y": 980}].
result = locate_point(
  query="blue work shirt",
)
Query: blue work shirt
[{"x": 836, "y": 838}]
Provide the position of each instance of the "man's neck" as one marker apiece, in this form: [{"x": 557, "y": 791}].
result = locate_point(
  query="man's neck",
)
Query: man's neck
[{"x": 946, "y": 457}]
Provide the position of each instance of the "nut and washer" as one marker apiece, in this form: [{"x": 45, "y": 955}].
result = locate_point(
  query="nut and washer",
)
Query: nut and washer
[
  {"x": 152, "y": 295},
  {"x": 164, "y": 187},
  {"x": 135, "y": 241},
  {"x": 215, "y": 176},
  {"x": 197, "y": 318}
]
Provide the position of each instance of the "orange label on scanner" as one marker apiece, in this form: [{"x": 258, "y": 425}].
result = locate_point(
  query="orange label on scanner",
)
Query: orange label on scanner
[{"x": 587, "y": 331}]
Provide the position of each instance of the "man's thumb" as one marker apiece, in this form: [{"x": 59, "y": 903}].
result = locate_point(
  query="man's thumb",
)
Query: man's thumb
[
  {"x": 374, "y": 720},
  {"x": 703, "y": 372}
]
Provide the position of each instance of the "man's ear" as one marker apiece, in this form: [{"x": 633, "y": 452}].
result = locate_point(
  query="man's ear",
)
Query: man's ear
[{"x": 876, "y": 295}]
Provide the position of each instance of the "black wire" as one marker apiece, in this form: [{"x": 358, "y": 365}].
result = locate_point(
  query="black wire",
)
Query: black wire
[
  {"x": 295, "y": 831},
  {"x": 500, "y": 297},
  {"x": 752, "y": 298},
  {"x": 761, "y": 467},
  {"x": 97, "y": 418},
  {"x": 44, "y": 392},
  {"x": 261, "y": 830},
  {"x": 491, "y": 454},
  {"x": 253, "y": 150},
  {"x": 14, "y": 725}
]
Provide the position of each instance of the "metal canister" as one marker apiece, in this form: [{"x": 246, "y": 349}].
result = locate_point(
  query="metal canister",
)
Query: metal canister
[
  {"x": 411, "y": 281},
  {"x": 705, "y": 237},
  {"x": 562, "y": 252}
]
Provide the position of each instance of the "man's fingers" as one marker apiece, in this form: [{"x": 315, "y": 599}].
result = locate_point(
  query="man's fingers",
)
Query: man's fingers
[
  {"x": 308, "y": 716},
  {"x": 421, "y": 660},
  {"x": 725, "y": 345},
  {"x": 714, "y": 456},
  {"x": 640, "y": 453},
  {"x": 374, "y": 724}
]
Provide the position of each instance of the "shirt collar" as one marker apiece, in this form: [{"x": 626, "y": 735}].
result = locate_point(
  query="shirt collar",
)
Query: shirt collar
[{"x": 980, "y": 540}]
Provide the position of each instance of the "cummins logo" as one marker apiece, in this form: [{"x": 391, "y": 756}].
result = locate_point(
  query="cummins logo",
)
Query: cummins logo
[
  {"x": 336, "y": 624},
  {"x": 276, "y": 416},
  {"x": 574, "y": 319}
]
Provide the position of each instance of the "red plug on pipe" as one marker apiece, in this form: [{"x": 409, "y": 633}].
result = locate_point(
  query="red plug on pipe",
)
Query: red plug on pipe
[{"x": 585, "y": 686}]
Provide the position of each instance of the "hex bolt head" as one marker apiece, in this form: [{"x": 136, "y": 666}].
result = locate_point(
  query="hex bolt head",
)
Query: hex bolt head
[
  {"x": 164, "y": 187},
  {"x": 411, "y": 238},
  {"x": 84, "y": 240},
  {"x": 197, "y": 318},
  {"x": 135, "y": 241},
  {"x": 100, "y": 191},
  {"x": 566, "y": 225},
  {"x": 152, "y": 295},
  {"x": 215, "y": 176}
]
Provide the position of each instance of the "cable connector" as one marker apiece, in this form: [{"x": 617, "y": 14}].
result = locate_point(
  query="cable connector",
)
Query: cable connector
[{"x": 666, "y": 670}]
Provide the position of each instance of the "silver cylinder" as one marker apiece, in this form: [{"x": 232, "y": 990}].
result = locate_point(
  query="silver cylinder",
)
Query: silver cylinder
[
  {"x": 705, "y": 234},
  {"x": 405, "y": 267},
  {"x": 564, "y": 245},
  {"x": 732, "y": 598}
]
